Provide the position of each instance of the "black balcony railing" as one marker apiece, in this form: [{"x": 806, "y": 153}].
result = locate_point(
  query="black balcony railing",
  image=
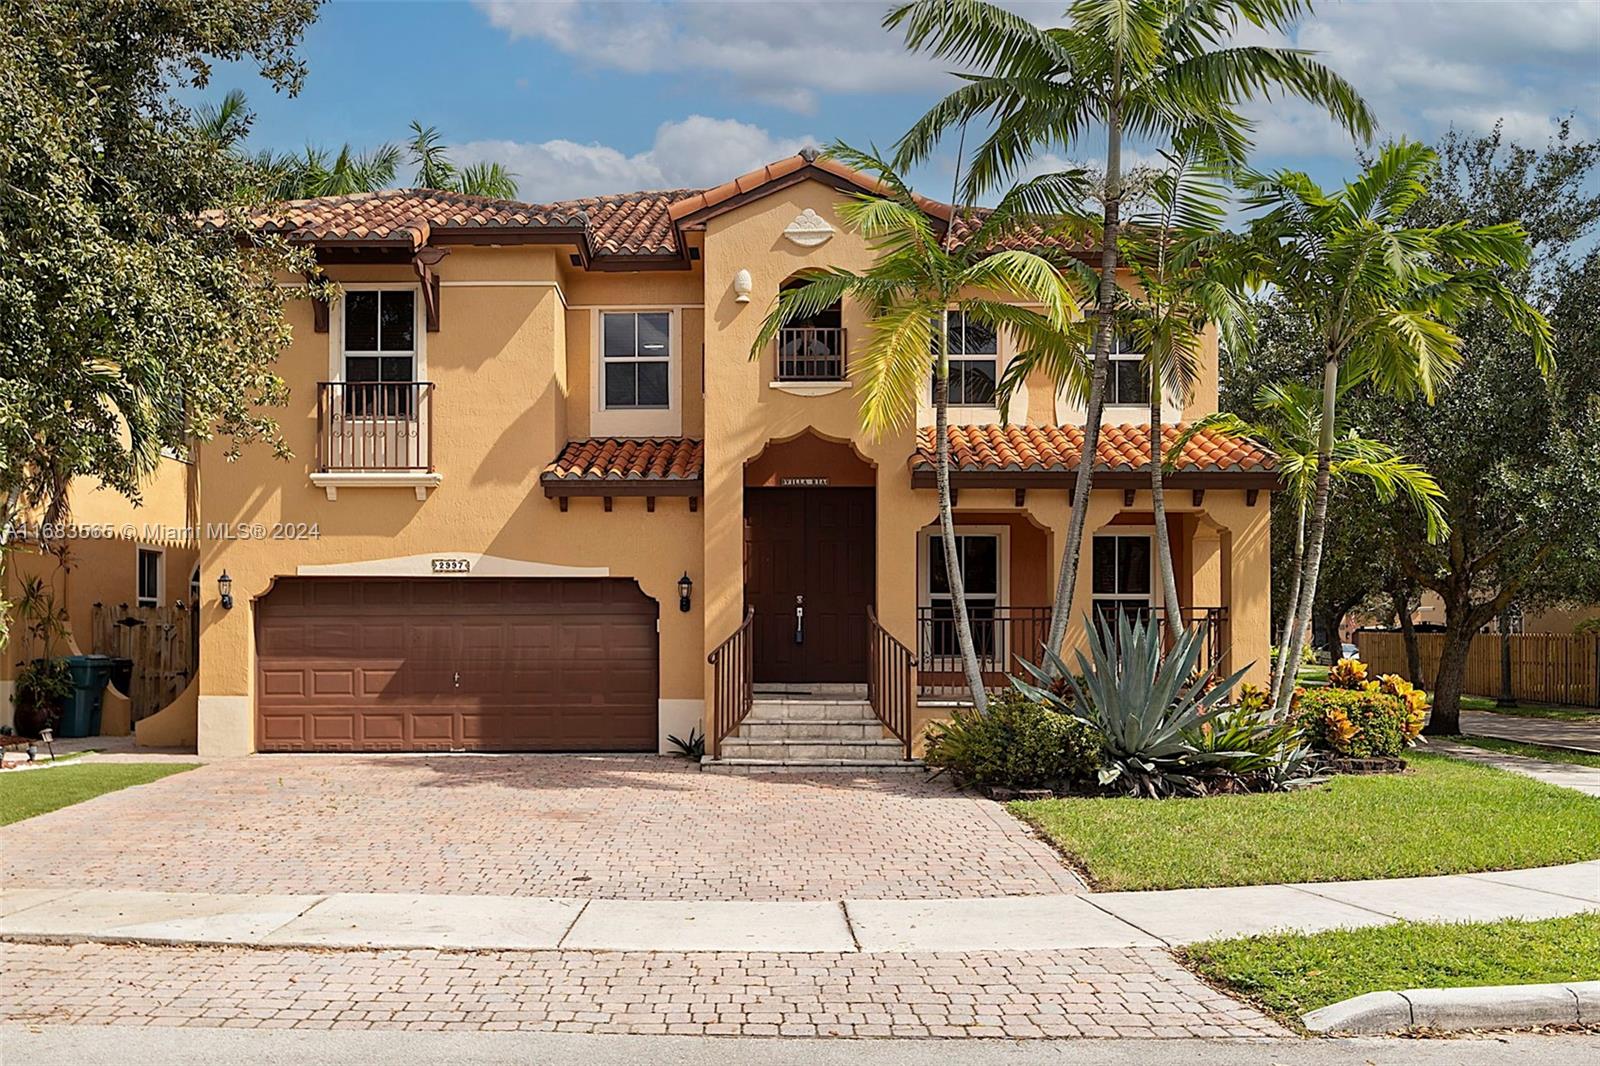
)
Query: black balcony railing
[
  {"x": 374, "y": 426},
  {"x": 1004, "y": 636},
  {"x": 811, "y": 353}
]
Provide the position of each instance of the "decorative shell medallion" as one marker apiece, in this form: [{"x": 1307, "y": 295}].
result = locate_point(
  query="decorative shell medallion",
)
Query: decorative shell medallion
[{"x": 808, "y": 229}]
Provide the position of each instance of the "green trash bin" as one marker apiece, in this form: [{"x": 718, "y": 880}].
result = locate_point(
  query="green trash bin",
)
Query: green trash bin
[{"x": 82, "y": 711}]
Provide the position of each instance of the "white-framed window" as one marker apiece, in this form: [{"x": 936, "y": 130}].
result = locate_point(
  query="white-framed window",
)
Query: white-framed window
[
  {"x": 974, "y": 361},
  {"x": 1122, "y": 573},
  {"x": 1125, "y": 379},
  {"x": 636, "y": 360},
  {"x": 378, "y": 351},
  {"x": 148, "y": 576},
  {"x": 981, "y": 555}
]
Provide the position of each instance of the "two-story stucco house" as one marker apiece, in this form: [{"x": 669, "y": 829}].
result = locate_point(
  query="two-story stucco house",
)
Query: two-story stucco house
[{"x": 539, "y": 486}]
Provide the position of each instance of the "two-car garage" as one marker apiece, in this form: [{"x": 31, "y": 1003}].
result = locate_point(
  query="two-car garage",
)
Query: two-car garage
[{"x": 456, "y": 664}]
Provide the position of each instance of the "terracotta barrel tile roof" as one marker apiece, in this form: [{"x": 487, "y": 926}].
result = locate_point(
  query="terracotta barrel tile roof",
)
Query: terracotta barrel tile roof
[
  {"x": 405, "y": 216},
  {"x": 636, "y": 224},
  {"x": 601, "y": 460},
  {"x": 1056, "y": 449}
]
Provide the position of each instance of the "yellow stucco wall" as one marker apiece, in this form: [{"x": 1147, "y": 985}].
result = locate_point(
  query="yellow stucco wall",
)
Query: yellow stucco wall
[
  {"x": 513, "y": 368},
  {"x": 500, "y": 413}
]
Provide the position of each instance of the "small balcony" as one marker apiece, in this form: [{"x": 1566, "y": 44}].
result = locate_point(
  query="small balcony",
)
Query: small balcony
[
  {"x": 375, "y": 433},
  {"x": 812, "y": 355},
  {"x": 1003, "y": 636}
]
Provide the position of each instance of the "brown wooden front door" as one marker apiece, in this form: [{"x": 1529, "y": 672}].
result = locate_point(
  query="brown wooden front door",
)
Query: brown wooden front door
[
  {"x": 810, "y": 548},
  {"x": 456, "y": 664}
]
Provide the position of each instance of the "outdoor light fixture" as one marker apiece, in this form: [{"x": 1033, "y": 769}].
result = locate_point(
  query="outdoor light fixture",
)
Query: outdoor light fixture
[
  {"x": 225, "y": 590},
  {"x": 685, "y": 587}
]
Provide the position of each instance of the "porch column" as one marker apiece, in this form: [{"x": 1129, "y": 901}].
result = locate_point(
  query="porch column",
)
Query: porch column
[
  {"x": 1245, "y": 579},
  {"x": 903, "y": 512}
]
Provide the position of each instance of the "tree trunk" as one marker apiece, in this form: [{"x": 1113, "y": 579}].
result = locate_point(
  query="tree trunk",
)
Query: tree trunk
[
  {"x": 1408, "y": 636},
  {"x": 947, "y": 524},
  {"x": 1507, "y": 698},
  {"x": 1332, "y": 622},
  {"x": 1158, "y": 504},
  {"x": 1447, "y": 684},
  {"x": 1284, "y": 672},
  {"x": 1105, "y": 325},
  {"x": 1317, "y": 528}
]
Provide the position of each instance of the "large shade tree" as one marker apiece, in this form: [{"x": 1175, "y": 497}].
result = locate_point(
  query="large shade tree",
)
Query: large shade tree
[
  {"x": 1515, "y": 449},
  {"x": 1381, "y": 298},
  {"x": 920, "y": 277},
  {"x": 124, "y": 326},
  {"x": 1145, "y": 69}
]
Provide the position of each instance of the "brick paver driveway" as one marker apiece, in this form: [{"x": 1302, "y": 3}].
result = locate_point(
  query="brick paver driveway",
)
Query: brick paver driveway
[
  {"x": 1139, "y": 992},
  {"x": 621, "y": 828}
]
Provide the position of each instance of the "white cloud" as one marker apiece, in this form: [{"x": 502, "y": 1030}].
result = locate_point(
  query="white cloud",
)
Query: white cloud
[
  {"x": 693, "y": 152},
  {"x": 777, "y": 52},
  {"x": 1427, "y": 65}
]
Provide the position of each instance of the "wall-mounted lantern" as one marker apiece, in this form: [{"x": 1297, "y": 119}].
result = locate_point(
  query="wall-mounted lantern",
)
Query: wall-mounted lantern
[
  {"x": 685, "y": 587},
  {"x": 225, "y": 591},
  {"x": 741, "y": 287}
]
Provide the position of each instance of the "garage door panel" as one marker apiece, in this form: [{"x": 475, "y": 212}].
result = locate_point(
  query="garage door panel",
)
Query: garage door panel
[{"x": 544, "y": 664}]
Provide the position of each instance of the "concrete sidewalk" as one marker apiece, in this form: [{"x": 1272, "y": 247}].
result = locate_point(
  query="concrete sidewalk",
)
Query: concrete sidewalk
[
  {"x": 1582, "y": 736},
  {"x": 1585, "y": 779},
  {"x": 1013, "y": 923}
]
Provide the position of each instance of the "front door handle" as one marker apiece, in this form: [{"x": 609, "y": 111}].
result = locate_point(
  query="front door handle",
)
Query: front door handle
[
  {"x": 799, "y": 619},
  {"x": 457, "y": 679}
]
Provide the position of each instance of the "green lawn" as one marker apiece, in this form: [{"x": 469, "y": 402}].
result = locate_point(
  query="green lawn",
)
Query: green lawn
[
  {"x": 1312, "y": 674},
  {"x": 1290, "y": 974},
  {"x": 1531, "y": 751},
  {"x": 1531, "y": 710},
  {"x": 25, "y": 793},
  {"x": 1445, "y": 816}
]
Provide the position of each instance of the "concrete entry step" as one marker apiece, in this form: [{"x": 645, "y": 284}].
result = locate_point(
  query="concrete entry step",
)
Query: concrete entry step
[
  {"x": 810, "y": 707},
  {"x": 840, "y": 729},
  {"x": 810, "y": 750},
  {"x": 795, "y": 766},
  {"x": 846, "y": 691}
]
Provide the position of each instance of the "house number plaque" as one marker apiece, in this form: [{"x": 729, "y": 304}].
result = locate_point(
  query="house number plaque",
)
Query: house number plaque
[
  {"x": 452, "y": 566},
  {"x": 803, "y": 482}
]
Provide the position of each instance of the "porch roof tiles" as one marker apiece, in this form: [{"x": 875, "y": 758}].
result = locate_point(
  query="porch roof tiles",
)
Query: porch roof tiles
[
  {"x": 626, "y": 466},
  {"x": 1023, "y": 454}
]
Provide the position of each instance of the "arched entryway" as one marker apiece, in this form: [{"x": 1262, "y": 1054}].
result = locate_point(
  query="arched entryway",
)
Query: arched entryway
[{"x": 810, "y": 560}]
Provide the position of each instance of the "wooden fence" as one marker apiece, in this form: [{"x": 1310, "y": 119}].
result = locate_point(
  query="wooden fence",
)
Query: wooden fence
[
  {"x": 1545, "y": 667},
  {"x": 163, "y": 644}
]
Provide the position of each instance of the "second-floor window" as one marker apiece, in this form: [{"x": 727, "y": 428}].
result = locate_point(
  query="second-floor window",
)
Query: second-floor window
[
  {"x": 1125, "y": 380},
  {"x": 635, "y": 359},
  {"x": 974, "y": 361},
  {"x": 380, "y": 350}
]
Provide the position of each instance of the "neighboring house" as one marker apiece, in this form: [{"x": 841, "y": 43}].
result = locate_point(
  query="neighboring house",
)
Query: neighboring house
[
  {"x": 109, "y": 553},
  {"x": 538, "y": 479}
]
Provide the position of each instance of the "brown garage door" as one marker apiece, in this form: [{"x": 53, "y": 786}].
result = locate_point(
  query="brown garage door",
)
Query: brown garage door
[{"x": 452, "y": 664}]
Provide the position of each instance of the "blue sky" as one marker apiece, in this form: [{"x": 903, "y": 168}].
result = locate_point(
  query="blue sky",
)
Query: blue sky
[{"x": 580, "y": 98}]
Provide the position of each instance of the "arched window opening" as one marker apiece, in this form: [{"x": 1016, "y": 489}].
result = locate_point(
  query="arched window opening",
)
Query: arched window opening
[{"x": 812, "y": 348}]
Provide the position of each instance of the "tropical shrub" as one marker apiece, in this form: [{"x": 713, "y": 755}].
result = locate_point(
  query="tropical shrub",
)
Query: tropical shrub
[
  {"x": 1019, "y": 743},
  {"x": 1348, "y": 673},
  {"x": 1363, "y": 723},
  {"x": 1147, "y": 704},
  {"x": 1247, "y": 741}
]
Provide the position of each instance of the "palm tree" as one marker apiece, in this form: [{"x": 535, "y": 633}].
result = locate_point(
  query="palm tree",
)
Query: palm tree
[
  {"x": 1185, "y": 278},
  {"x": 1380, "y": 298},
  {"x": 1149, "y": 68},
  {"x": 314, "y": 172},
  {"x": 916, "y": 281},
  {"x": 435, "y": 169},
  {"x": 1290, "y": 427}
]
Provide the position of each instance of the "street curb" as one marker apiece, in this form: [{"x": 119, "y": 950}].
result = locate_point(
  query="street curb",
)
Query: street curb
[{"x": 1451, "y": 1009}]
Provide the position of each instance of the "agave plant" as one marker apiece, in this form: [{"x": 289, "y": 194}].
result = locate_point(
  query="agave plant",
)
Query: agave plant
[{"x": 1146, "y": 702}]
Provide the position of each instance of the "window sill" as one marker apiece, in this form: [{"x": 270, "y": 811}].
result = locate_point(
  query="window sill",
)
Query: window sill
[
  {"x": 810, "y": 388},
  {"x": 377, "y": 479}
]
